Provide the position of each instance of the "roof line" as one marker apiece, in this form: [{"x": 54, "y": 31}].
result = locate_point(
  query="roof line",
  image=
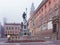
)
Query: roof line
[{"x": 41, "y": 4}]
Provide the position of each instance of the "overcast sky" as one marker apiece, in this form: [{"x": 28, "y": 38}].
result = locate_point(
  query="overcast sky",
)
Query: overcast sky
[{"x": 13, "y": 9}]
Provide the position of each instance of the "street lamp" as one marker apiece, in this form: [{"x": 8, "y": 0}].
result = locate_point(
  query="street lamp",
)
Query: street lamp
[{"x": 8, "y": 36}]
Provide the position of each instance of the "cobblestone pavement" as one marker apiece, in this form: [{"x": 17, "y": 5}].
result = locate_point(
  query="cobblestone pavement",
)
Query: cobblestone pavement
[{"x": 33, "y": 43}]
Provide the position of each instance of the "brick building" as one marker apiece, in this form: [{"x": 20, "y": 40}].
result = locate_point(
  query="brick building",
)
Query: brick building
[
  {"x": 44, "y": 21},
  {"x": 12, "y": 30}
]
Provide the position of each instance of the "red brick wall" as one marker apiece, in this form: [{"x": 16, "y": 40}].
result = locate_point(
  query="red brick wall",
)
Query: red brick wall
[{"x": 43, "y": 13}]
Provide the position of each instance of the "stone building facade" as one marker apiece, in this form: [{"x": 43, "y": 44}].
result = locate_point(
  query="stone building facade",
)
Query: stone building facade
[
  {"x": 12, "y": 30},
  {"x": 45, "y": 20}
]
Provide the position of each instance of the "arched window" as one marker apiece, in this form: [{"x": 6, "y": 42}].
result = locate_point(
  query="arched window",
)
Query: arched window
[{"x": 56, "y": 10}]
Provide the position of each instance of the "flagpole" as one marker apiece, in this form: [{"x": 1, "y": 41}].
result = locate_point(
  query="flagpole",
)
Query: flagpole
[{"x": 26, "y": 13}]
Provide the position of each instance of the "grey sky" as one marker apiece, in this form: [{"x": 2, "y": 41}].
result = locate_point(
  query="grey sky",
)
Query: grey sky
[{"x": 13, "y": 9}]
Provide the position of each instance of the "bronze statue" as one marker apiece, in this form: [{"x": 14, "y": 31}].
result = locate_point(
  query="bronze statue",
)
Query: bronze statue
[{"x": 24, "y": 15}]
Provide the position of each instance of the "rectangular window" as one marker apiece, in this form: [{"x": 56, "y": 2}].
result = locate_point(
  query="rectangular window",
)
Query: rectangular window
[
  {"x": 15, "y": 28},
  {"x": 7, "y": 28}
]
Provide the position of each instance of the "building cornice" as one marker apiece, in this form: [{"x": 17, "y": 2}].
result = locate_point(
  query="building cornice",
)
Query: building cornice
[
  {"x": 39, "y": 7},
  {"x": 12, "y": 24}
]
